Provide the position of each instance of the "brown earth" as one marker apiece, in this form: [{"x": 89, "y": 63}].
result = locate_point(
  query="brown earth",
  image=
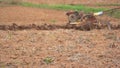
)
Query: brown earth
[
  {"x": 24, "y": 15},
  {"x": 67, "y": 48}
]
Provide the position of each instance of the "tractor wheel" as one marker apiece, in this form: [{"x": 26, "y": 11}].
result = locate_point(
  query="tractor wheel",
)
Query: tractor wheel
[{"x": 72, "y": 18}]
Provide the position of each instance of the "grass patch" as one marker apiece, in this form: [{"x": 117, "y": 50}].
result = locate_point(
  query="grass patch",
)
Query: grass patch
[
  {"x": 63, "y": 7},
  {"x": 48, "y": 60},
  {"x": 115, "y": 14}
]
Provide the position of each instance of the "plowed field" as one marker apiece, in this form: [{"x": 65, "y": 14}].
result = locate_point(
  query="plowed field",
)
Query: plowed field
[{"x": 37, "y": 38}]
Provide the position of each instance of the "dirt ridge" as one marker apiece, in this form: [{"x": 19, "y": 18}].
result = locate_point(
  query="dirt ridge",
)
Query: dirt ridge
[{"x": 47, "y": 27}]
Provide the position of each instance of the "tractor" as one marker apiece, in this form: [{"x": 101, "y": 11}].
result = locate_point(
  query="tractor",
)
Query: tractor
[{"x": 89, "y": 21}]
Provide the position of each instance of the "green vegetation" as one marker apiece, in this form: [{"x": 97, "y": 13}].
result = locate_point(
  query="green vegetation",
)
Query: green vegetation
[
  {"x": 84, "y": 8},
  {"x": 63, "y": 7},
  {"x": 48, "y": 60}
]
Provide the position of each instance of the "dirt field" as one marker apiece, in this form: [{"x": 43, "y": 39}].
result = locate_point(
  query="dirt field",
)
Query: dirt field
[
  {"x": 55, "y": 48},
  {"x": 24, "y": 15}
]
